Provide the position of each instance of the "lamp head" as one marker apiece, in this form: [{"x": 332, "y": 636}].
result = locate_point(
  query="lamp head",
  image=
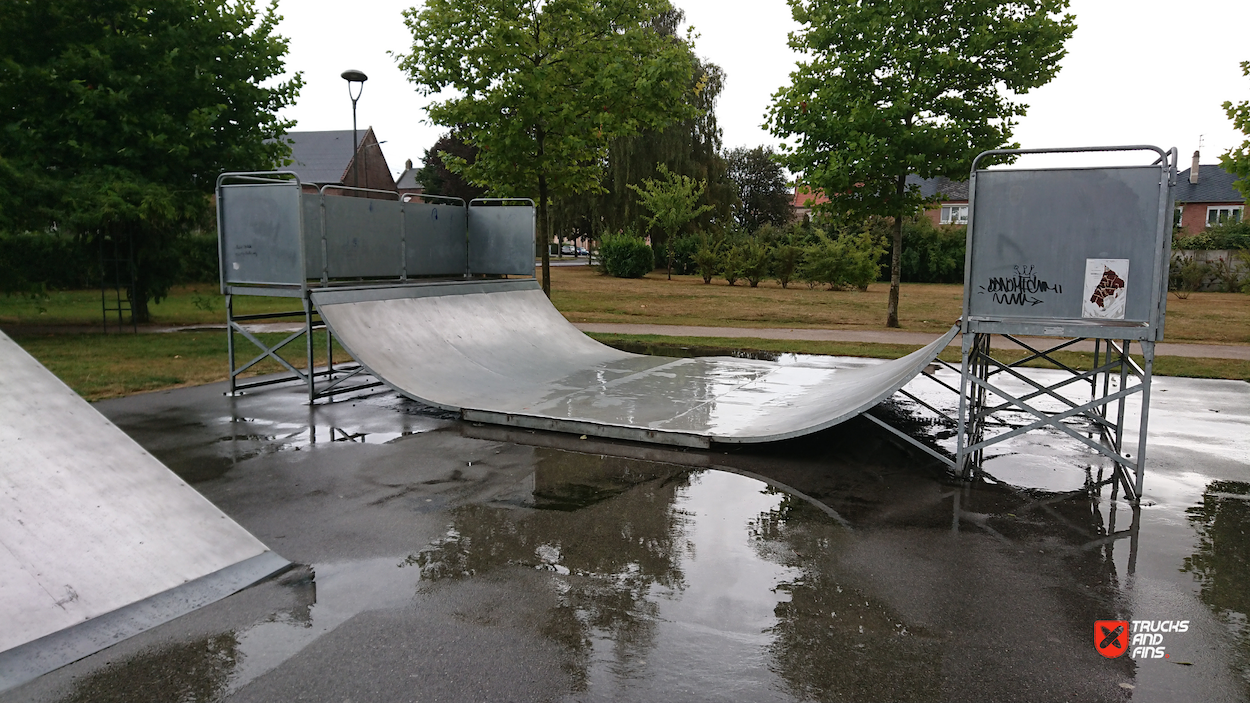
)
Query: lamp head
[{"x": 351, "y": 75}]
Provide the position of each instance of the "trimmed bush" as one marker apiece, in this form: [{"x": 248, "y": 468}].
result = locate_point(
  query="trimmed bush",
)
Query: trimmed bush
[
  {"x": 756, "y": 261},
  {"x": 684, "y": 249},
  {"x": 787, "y": 258},
  {"x": 849, "y": 261},
  {"x": 626, "y": 255},
  {"x": 707, "y": 258},
  {"x": 932, "y": 254},
  {"x": 1227, "y": 236}
]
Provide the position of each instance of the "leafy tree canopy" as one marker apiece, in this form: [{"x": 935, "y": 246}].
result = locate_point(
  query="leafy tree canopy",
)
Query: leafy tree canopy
[
  {"x": 542, "y": 88},
  {"x": 897, "y": 87},
  {"x": 436, "y": 178},
  {"x": 1237, "y": 160},
  {"x": 119, "y": 115},
  {"x": 762, "y": 188}
]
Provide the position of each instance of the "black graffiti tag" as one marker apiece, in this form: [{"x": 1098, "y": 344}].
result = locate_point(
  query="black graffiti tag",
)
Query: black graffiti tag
[{"x": 1021, "y": 289}]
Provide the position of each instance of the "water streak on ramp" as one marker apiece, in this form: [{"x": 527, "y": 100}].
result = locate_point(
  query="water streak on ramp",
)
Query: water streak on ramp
[
  {"x": 497, "y": 351},
  {"x": 98, "y": 539}
]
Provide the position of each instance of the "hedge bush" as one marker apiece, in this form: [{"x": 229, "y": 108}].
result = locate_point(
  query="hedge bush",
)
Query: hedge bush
[
  {"x": 848, "y": 261},
  {"x": 932, "y": 254},
  {"x": 1229, "y": 236},
  {"x": 626, "y": 255}
]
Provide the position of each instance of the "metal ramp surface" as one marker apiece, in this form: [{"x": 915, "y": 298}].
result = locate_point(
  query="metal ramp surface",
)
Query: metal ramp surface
[
  {"x": 498, "y": 352},
  {"x": 98, "y": 539}
]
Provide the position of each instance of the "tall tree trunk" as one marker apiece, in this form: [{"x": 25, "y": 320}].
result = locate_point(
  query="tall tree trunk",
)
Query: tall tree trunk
[
  {"x": 543, "y": 235},
  {"x": 896, "y": 256}
]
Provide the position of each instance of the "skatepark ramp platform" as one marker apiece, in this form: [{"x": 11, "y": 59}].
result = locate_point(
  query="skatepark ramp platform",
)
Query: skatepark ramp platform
[
  {"x": 98, "y": 540},
  {"x": 499, "y": 352}
]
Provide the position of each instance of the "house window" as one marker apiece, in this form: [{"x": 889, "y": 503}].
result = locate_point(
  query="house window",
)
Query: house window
[
  {"x": 1176, "y": 215},
  {"x": 1222, "y": 214},
  {"x": 954, "y": 215}
]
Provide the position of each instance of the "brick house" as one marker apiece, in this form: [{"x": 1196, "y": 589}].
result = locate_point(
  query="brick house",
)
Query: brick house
[
  {"x": 804, "y": 199},
  {"x": 323, "y": 158},
  {"x": 1205, "y": 196},
  {"x": 951, "y": 206}
]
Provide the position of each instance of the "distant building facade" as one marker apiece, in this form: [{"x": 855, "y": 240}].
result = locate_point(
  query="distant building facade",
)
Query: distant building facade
[
  {"x": 407, "y": 182},
  {"x": 950, "y": 196},
  {"x": 1205, "y": 196},
  {"x": 326, "y": 158}
]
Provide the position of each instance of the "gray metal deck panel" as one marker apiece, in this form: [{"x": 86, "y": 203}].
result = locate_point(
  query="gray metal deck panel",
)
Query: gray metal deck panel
[{"x": 500, "y": 352}]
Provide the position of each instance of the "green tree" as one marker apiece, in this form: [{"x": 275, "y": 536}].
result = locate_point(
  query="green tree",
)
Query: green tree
[
  {"x": 120, "y": 114},
  {"x": 690, "y": 147},
  {"x": 761, "y": 185},
  {"x": 673, "y": 202},
  {"x": 901, "y": 87},
  {"x": 542, "y": 88},
  {"x": 437, "y": 179},
  {"x": 1237, "y": 160}
]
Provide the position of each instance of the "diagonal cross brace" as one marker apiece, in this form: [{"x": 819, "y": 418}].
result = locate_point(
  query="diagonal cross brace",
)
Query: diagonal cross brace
[
  {"x": 269, "y": 351},
  {"x": 1053, "y": 420}
]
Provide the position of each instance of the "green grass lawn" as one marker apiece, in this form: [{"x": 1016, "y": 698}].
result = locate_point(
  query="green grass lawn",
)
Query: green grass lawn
[
  {"x": 186, "y": 305},
  {"x": 702, "y": 346},
  {"x": 101, "y": 366}
]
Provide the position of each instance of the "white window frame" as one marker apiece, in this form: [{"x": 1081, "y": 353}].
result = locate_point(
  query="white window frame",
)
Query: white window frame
[
  {"x": 1178, "y": 216},
  {"x": 953, "y": 214},
  {"x": 1235, "y": 214}
]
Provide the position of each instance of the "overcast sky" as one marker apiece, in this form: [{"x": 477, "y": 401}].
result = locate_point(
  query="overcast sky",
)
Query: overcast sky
[{"x": 1137, "y": 71}]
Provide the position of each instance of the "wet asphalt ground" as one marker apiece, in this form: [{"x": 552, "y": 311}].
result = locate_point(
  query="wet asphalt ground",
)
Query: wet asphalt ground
[{"x": 442, "y": 561}]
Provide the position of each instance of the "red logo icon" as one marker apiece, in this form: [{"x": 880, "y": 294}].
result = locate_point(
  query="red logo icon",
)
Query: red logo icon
[{"x": 1111, "y": 637}]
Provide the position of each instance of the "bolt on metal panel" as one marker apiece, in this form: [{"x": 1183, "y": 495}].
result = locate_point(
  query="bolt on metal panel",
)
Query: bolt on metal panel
[
  {"x": 260, "y": 234},
  {"x": 363, "y": 237},
  {"x": 435, "y": 239},
  {"x": 501, "y": 237},
  {"x": 1039, "y": 234},
  {"x": 313, "y": 260}
]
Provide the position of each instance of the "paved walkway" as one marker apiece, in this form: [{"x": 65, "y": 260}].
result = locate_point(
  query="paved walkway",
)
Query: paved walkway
[{"x": 1201, "y": 351}]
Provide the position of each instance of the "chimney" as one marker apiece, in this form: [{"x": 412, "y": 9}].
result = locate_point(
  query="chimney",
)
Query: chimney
[
  {"x": 1193, "y": 170},
  {"x": 408, "y": 165}
]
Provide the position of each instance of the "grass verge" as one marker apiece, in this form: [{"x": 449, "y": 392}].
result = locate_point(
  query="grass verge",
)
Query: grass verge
[
  {"x": 703, "y": 346},
  {"x": 101, "y": 366}
]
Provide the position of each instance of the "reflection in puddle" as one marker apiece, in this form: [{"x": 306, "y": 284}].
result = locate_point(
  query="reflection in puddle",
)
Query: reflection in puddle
[
  {"x": 1221, "y": 562},
  {"x": 198, "y": 670},
  {"x": 672, "y": 566}
]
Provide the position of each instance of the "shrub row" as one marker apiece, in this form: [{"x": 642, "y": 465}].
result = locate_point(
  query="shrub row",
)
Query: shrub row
[
  {"x": 1229, "y": 236},
  {"x": 1187, "y": 274}
]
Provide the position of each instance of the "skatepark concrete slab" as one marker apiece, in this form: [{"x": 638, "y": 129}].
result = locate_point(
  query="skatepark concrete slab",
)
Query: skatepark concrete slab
[
  {"x": 92, "y": 525},
  {"x": 444, "y": 560},
  {"x": 499, "y": 352}
]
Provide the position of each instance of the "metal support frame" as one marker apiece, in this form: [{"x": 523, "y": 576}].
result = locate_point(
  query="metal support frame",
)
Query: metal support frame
[
  {"x": 333, "y": 376},
  {"x": 1102, "y": 416}
]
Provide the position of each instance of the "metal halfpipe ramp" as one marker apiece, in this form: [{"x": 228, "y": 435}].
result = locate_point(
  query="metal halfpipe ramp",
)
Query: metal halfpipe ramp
[
  {"x": 498, "y": 352},
  {"x": 98, "y": 539}
]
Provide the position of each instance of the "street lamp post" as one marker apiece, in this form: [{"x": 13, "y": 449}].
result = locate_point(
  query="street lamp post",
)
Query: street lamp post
[{"x": 353, "y": 76}]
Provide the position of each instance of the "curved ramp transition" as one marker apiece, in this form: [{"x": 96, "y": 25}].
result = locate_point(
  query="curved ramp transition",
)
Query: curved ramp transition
[
  {"x": 98, "y": 540},
  {"x": 498, "y": 352}
]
